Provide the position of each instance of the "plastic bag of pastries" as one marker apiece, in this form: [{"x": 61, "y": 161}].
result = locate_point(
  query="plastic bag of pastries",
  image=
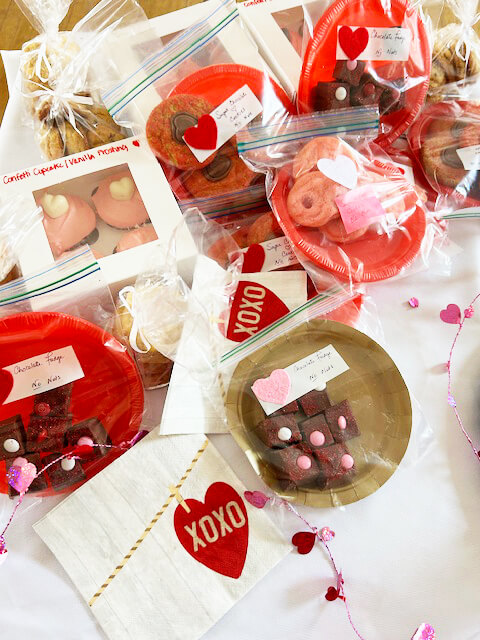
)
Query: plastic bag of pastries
[
  {"x": 59, "y": 78},
  {"x": 17, "y": 218}
]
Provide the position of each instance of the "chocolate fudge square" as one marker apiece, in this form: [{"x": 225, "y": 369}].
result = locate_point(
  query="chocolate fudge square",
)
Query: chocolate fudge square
[
  {"x": 91, "y": 428},
  {"x": 291, "y": 407},
  {"x": 331, "y": 95},
  {"x": 278, "y": 432},
  {"x": 349, "y": 71},
  {"x": 55, "y": 402},
  {"x": 39, "y": 484},
  {"x": 315, "y": 432},
  {"x": 60, "y": 477},
  {"x": 295, "y": 467},
  {"x": 341, "y": 422},
  {"x": 12, "y": 438},
  {"x": 314, "y": 402},
  {"x": 47, "y": 433},
  {"x": 367, "y": 93},
  {"x": 335, "y": 462}
]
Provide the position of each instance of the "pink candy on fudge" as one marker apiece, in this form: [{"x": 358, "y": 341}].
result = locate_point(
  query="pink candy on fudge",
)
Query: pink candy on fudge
[{"x": 119, "y": 203}]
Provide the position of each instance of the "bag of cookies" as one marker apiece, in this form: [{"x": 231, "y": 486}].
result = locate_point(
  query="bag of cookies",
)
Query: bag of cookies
[
  {"x": 17, "y": 218},
  {"x": 193, "y": 95},
  {"x": 456, "y": 54},
  {"x": 343, "y": 204},
  {"x": 59, "y": 81}
]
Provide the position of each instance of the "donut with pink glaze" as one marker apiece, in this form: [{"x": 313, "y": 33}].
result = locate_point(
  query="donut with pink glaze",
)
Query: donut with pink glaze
[
  {"x": 119, "y": 203},
  {"x": 135, "y": 238},
  {"x": 68, "y": 221}
]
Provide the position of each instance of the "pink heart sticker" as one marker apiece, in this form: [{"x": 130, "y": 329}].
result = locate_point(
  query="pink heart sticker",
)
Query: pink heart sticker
[
  {"x": 273, "y": 389},
  {"x": 451, "y": 315},
  {"x": 341, "y": 170},
  {"x": 21, "y": 474}
]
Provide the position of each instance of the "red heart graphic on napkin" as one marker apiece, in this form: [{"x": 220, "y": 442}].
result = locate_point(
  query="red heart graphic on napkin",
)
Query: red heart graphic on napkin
[
  {"x": 215, "y": 532},
  {"x": 451, "y": 314},
  {"x": 253, "y": 259},
  {"x": 253, "y": 308},
  {"x": 203, "y": 135},
  {"x": 304, "y": 541},
  {"x": 353, "y": 42}
]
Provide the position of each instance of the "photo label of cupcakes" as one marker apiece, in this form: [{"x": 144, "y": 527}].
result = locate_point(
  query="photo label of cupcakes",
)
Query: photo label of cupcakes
[{"x": 322, "y": 428}]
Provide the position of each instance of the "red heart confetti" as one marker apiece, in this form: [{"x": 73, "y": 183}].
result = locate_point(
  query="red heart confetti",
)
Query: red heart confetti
[
  {"x": 353, "y": 42},
  {"x": 304, "y": 541},
  {"x": 203, "y": 135},
  {"x": 332, "y": 594},
  {"x": 256, "y": 498}
]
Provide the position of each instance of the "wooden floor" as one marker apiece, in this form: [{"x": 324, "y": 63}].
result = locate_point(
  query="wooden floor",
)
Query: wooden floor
[{"x": 15, "y": 28}]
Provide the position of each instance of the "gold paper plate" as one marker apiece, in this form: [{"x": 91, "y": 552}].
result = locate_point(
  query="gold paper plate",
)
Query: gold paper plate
[{"x": 373, "y": 386}]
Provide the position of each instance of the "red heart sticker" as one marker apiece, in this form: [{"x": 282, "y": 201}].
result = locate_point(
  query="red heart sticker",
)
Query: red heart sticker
[
  {"x": 215, "y": 532},
  {"x": 203, "y": 135},
  {"x": 253, "y": 308},
  {"x": 304, "y": 541},
  {"x": 353, "y": 42},
  {"x": 253, "y": 259},
  {"x": 136, "y": 143}
]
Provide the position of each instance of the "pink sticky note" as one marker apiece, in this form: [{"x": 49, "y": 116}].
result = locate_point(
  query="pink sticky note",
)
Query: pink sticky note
[{"x": 359, "y": 208}]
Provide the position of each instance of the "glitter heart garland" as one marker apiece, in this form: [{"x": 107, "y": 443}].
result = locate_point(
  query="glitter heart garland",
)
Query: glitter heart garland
[{"x": 325, "y": 535}]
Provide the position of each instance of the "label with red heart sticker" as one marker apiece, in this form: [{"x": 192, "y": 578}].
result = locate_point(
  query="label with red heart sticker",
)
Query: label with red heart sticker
[
  {"x": 373, "y": 43},
  {"x": 276, "y": 253},
  {"x": 216, "y": 128},
  {"x": 215, "y": 532}
]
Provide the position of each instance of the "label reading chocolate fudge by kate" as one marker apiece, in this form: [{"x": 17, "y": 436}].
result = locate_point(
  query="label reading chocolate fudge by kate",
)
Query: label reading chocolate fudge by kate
[
  {"x": 470, "y": 157},
  {"x": 373, "y": 43},
  {"x": 44, "y": 372},
  {"x": 315, "y": 370},
  {"x": 222, "y": 123}
]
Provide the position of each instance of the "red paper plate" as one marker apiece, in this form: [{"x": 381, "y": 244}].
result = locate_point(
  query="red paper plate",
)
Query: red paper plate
[
  {"x": 320, "y": 56},
  {"x": 418, "y": 132},
  {"x": 111, "y": 389},
  {"x": 375, "y": 257}
]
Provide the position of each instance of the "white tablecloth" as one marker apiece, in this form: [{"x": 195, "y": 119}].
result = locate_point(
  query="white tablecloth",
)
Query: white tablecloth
[{"x": 409, "y": 553}]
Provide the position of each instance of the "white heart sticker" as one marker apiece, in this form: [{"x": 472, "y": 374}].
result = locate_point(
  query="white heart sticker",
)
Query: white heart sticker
[
  {"x": 341, "y": 170},
  {"x": 122, "y": 189},
  {"x": 54, "y": 206}
]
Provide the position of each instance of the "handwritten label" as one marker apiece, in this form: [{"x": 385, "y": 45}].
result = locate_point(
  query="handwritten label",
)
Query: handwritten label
[
  {"x": 230, "y": 117},
  {"x": 470, "y": 157},
  {"x": 359, "y": 208},
  {"x": 310, "y": 372},
  {"x": 383, "y": 44},
  {"x": 43, "y": 373},
  {"x": 279, "y": 253}
]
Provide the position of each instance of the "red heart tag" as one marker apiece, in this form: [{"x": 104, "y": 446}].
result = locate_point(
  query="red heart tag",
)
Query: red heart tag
[
  {"x": 203, "y": 135},
  {"x": 253, "y": 259},
  {"x": 353, "y": 42},
  {"x": 6, "y": 385},
  {"x": 253, "y": 308},
  {"x": 304, "y": 541},
  {"x": 215, "y": 532}
]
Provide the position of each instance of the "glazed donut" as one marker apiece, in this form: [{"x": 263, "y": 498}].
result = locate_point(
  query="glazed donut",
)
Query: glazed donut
[{"x": 311, "y": 201}]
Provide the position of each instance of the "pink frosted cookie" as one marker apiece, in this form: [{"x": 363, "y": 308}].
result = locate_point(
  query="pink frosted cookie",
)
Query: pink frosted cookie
[
  {"x": 68, "y": 221},
  {"x": 335, "y": 232},
  {"x": 311, "y": 201},
  {"x": 323, "y": 147},
  {"x": 135, "y": 238},
  {"x": 118, "y": 201}
]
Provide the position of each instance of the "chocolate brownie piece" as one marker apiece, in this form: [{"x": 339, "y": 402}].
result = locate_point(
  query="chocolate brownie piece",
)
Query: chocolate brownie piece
[
  {"x": 91, "y": 428},
  {"x": 392, "y": 99},
  {"x": 367, "y": 93},
  {"x": 12, "y": 438},
  {"x": 63, "y": 473},
  {"x": 47, "y": 433},
  {"x": 341, "y": 421},
  {"x": 277, "y": 432},
  {"x": 315, "y": 432},
  {"x": 331, "y": 95},
  {"x": 295, "y": 467},
  {"x": 335, "y": 462},
  {"x": 314, "y": 402},
  {"x": 349, "y": 71},
  {"x": 55, "y": 402},
  {"x": 39, "y": 484},
  {"x": 291, "y": 407}
]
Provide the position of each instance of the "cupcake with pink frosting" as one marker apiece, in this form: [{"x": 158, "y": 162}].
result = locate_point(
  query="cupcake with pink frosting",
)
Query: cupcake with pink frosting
[
  {"x": 135, "y": 238},
  {"x": 118, "y": 202},
  {"x": 68, "y": 222}
]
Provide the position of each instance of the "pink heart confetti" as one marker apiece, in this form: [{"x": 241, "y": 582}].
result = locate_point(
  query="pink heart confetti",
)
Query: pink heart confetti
[
  {"x": 424, "y": 632},
  {"x": 21, "y": 474},
  {"x": 469, "y": 312},
  {"x": 326, "y": 534},
  {"x": 273, "y": 389},
  {"x": 256, "y": 498},
  {"x": 451, "y": 315},
  {"x": 413, "y": 302}
]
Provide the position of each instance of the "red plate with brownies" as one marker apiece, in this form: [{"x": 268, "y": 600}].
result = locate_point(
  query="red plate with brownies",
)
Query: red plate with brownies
[
  {"x": 398, "y": 86},
  {"x": 63, "y": 378},
  {"x": 340, "y": 441}
]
